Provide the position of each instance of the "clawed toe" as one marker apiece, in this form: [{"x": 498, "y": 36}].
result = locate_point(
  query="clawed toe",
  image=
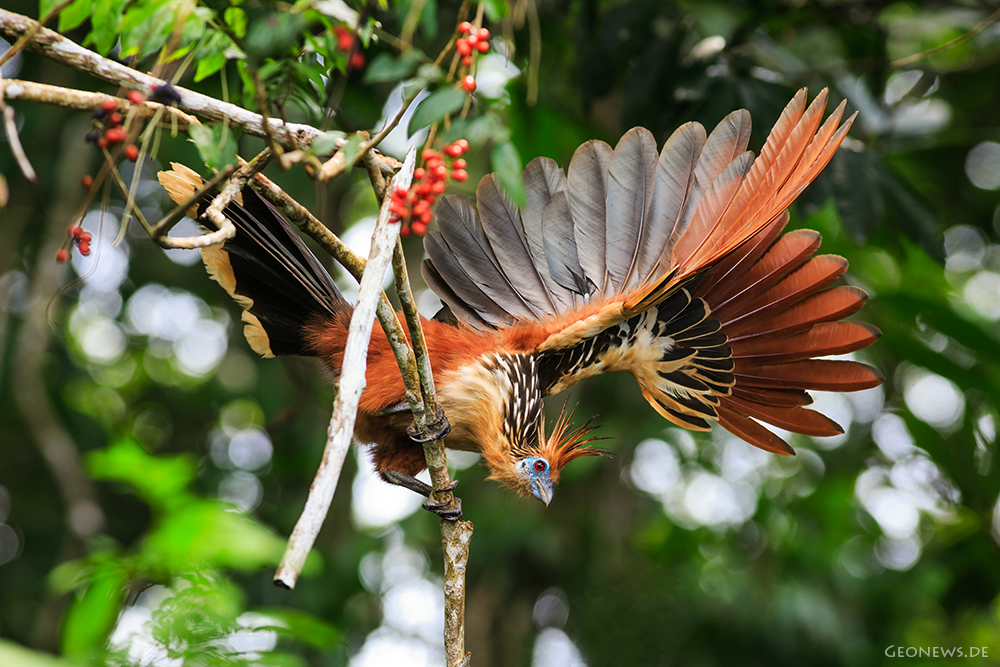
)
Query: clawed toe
[
  {"x": 445, "y": 512},
  {"x": 436, "y": 430}
]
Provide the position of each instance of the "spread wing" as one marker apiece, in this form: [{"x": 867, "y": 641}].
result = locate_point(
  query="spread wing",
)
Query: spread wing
[{"x": 598, "y": 271}]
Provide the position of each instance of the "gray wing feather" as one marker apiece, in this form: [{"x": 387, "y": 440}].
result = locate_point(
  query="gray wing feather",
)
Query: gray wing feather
[
  {"x": 560, "y": 246},
  {"x": 472, "y": 253},
  {"x": 463, "y": 286},
  {"x": 459, "y": 307},
  {"x": 502, "y": 224},
  {"x": 631, "y": 180},
  {"x": 675, "y": 175},
  {"x": 542, "y": 179},
  {"x": 588, "y": 182}
]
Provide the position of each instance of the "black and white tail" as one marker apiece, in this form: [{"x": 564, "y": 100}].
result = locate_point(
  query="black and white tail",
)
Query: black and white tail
[{"x": 267, "y": 269}]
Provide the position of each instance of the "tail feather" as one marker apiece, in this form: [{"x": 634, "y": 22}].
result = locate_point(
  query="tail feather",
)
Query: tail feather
[
  {"x": 820, "y": 374},
  {"x": 266, "y": 269},
  {"x": 826, "y": 306}
]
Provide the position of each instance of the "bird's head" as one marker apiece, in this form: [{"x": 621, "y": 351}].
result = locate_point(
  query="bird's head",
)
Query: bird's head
[{"x": 530, "y": 462}]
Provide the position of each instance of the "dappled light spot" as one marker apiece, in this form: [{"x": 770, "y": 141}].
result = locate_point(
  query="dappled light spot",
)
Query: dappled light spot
[
  {"x": 375, "y": 503},
  {"x": 964, "y": 247},
  {"x": 551, "y": 609},
  {"x": 892, "y": 437},
  {"x": 933, "y": 398},
  {"x": 250, "y": 449},
  {"x": 899, "y": 554},
  {"x": 982, "y": 165},
  {"x": 714, "y": 502},
  {"x": 9, "y": 544},
  {"x": 982, "y": 293},
  {"x": 242, "y": 489},
  {"x": 554, "y": 648},
  {"x": 655, "y": 468}
]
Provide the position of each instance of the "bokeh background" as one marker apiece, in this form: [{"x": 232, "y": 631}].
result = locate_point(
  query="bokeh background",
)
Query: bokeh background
[{"x": 150, "y": 465}]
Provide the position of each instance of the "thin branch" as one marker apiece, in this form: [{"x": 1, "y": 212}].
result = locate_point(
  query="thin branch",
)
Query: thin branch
[
  {"x": 62, "y": 50},
  {"x": 349, "y": 389},
  {"x": 69, "y": 98},
  {"x": 978, "y": 28},
  {"x": 10, "y": 126}
]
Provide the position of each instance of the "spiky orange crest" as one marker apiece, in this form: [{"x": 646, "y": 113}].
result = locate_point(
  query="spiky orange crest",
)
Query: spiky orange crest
[{"x": 566, "y": 443}]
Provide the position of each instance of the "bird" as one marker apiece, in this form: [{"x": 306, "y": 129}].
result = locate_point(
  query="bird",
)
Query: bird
[{"x": 670, "y": 264}]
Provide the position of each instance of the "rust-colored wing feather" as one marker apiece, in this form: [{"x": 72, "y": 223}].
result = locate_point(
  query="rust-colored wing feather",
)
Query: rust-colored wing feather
[{"x": 672, "y": 267}]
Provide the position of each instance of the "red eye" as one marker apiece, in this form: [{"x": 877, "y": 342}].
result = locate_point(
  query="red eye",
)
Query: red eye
[{"x": 540, "y": 466}]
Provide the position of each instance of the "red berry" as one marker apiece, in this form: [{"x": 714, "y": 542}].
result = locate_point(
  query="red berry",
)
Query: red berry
[
  {"x": 433, "y": 164},
  {"x": 86, "y": 237},
  {"x": 483, "y": 46},
  {"x": 483, "y": 34},
  {"x": 464, "y": 26},
  {"x": 463, "y": 47},
  {"x": 425, "y": 217},
  {"x": 132, "y": 152},
  {"x": 463, "y": 143},
  {"x": 84, "y": 248},
  {"x": 357, "y": 60},
  {"x": 76, "y": 231},
  {"x": 459, "y": 163},
  {"x": 452, "y": 150},
  {"x": 405, "y": 231},
  {"x": 441, "y": 171},
  {"x": 400, "y": 193},
  {"x": 419, "y": 173},
  {"x": 86, "y": 182},
  {"x": 115, "y": 119},
  {"x": 62, "y": 255},
  {"x": 459, "y": 175},
  {"x": 428, "y": 154},
  {"x": 115, "y": 135},
  {"x": 469, "y": 83},
  {"x": 109, "y": 105},
  {"x": 102, "y": 141},
  {"x": 466, "y": 61},
  {"x": 473, "y": 39},
  {"x": 135, "y": 97},
  {"x": 437, "y": 187},
  {"x": 419, "y": 228}
]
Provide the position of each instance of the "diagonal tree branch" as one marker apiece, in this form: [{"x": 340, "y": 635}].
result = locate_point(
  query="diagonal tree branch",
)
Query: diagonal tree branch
[
  {"x": 67, "y": 52},
  {"x": 349, "y": 389}
]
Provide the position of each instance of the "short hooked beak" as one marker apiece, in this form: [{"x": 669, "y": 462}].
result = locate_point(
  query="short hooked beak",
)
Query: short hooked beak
[{"x": 542, "y": 488}]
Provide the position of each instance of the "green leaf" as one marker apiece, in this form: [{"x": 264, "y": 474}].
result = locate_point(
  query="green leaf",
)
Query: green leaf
[
  {"x": 496, "y": 10},
  {"x": 210, "y": 65},
  {"x": 92, "y": 616},
  {"x": 350, "y": 149},
  {"x": 326, "y": 143},
  {"x": 507, "y": 165},
  {"x": 236, "y": 19},
  {"x": 160, "y": 480},
  {"x": 70, "y": 17},
  {"x": 387, "y": 68},
  {"x": 274, "y": 35},
  {"x": 435, "y": 107},
  {"x": 208, "y": 532},
  {"x": 216, "y": 144}
]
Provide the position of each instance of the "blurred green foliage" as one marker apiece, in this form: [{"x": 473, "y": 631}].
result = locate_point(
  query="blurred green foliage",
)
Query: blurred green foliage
[{"x": 142, "y": 504}]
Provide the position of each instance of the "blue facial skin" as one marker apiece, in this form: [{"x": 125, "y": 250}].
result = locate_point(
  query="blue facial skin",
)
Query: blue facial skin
[{"x": 536, "y": 471}]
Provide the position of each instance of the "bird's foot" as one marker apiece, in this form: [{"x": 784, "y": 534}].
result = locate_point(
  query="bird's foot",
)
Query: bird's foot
[
  {"x": 413, "y": 484},
  {"x": 436, "y": 429}
]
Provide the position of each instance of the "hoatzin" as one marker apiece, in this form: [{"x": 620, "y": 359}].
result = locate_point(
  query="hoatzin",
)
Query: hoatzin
[{"x": 671, "y": 266}]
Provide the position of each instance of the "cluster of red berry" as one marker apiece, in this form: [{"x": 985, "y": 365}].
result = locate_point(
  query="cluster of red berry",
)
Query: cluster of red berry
[
  {"x": 412, "y": 207},
  {"x": 475, "y": 41},
  {"x": 345, "y": 42},
  {"x": 81, "y": 237}
]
